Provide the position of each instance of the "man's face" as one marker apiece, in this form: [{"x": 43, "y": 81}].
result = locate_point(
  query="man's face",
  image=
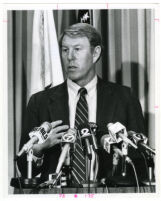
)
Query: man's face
[{"x": 77, "y": 58}]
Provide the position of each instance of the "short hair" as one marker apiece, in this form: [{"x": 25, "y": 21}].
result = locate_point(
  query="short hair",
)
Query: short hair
[{"x": 83, "y": 30}]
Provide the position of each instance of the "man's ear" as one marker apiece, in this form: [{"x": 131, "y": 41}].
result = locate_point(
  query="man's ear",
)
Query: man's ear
[{"x": 96, "y": 53}]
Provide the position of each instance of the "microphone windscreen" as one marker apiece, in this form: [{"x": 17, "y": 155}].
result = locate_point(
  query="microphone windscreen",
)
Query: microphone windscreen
[
  {"x": 103, "y": 139},
  {"x": 109, "y": 124},
  {"x": 69, "y": 136},
  {"x": 93, "y": 127},
  {"x": 84, "y": 130}
]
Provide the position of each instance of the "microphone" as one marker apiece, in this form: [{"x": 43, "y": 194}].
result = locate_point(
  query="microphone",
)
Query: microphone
[
  {"x": 106, "y": 142},
  {"x": 118, "y": 133},
  {"x": 87, "y": 133},
  {"x": 95, "y": 158},
  {"x": 115, "y": 162},
  {"x": 119, "y": 152},
  {"x": 84, "y": 132},
  {"x": 37, "y": 135},
  {"x": 93, "y": 129},
  {"x": 141, "y": 141},
  {"x": 68, "y": 139},
  {"x": 124, "y": 147}
]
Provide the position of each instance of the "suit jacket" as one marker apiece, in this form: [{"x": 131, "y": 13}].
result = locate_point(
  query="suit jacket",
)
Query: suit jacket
[{"x": 115, "y": 103}]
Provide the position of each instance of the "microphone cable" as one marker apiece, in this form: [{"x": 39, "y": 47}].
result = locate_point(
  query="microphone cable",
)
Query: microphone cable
[
  {"x": 89, "y": 176},
  {"x": 103, "y": 182},
  {"x": 136, "y": 177},
  {"x": 18, "y": 177}
]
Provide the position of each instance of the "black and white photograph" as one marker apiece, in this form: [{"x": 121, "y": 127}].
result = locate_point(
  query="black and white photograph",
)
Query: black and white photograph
[{"x": 81, "y": 101}]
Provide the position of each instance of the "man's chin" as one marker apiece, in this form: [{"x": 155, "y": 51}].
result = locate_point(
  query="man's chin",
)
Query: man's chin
[{"x": 72, "y": 77}]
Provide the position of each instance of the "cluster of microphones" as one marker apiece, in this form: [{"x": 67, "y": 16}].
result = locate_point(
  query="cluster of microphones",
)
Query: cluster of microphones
[{"x": 117, "y": 134}]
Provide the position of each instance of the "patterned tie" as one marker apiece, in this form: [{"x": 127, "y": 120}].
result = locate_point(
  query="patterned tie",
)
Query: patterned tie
[{"x": 79, "y": 162}]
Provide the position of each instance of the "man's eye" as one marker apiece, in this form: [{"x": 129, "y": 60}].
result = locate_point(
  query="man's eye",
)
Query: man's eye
[
  {"x": 64, "y": 50},
  {"x": 77, "y": 49}
]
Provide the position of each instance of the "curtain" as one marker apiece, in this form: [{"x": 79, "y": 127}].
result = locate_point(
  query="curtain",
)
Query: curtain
[{"x": 128, "y": 59}]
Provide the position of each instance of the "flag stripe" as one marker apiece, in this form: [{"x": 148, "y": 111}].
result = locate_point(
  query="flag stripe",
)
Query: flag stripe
[{"x": 46, "y": 66}]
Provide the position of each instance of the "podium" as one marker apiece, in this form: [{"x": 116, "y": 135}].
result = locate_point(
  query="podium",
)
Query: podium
[
  {"x": 143, "y": 189},
  {"x": 82, "y": 190}
]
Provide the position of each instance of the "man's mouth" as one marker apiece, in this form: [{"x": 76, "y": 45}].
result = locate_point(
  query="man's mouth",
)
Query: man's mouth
[{"x": 72, "y": 67}]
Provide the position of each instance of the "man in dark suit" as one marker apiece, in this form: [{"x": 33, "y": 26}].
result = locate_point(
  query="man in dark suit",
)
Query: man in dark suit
[{"x": 81, "y": 48}]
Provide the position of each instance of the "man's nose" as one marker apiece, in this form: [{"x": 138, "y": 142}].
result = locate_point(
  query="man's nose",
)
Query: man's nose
[{"x": 71, "y": 55}]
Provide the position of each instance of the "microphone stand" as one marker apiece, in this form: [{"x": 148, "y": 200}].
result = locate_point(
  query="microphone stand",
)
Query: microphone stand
[
  {"x": 88, "y": 159},
  {"x": 28, "y": 182},
  {"x": 91, "y": 183},
  {"x": 150, "y": 164},
  {"x": 118, "y": 133},
  {"x": 51, "y": 183},
  {"x": 88, "y": 179},
  {"x": 29, "y": 164},
  {"x": 118, "y": 178}
]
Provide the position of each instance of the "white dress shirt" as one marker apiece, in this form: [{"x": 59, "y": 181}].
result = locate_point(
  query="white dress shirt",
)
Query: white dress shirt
[{"x": 91, "y": 98}]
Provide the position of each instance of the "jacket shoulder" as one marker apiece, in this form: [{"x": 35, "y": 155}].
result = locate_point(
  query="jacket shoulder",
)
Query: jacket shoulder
[
  {"x": 48, "y": 90},
  {"x": 45, "y": 94},
  {"x": 118, "y": 89}
]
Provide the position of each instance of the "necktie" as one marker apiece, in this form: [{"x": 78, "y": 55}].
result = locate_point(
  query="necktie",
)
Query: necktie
[{"x": 79, "y": 162}]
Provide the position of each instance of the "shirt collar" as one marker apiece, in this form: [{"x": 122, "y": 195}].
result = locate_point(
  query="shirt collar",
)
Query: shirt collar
[
  {"x": 92, "y": 84},
  {"x": 75, "y": 87},
  {"x": 72, "y": 86}
]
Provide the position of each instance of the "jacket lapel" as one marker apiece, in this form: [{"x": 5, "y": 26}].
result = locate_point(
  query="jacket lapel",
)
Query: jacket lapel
[
  {"x": 106, "y": 103},
  {"x": 58, "y": 106}
]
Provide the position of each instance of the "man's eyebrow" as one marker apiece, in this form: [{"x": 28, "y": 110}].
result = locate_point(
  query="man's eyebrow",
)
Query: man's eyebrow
[{"x": 65, "y": 45}]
